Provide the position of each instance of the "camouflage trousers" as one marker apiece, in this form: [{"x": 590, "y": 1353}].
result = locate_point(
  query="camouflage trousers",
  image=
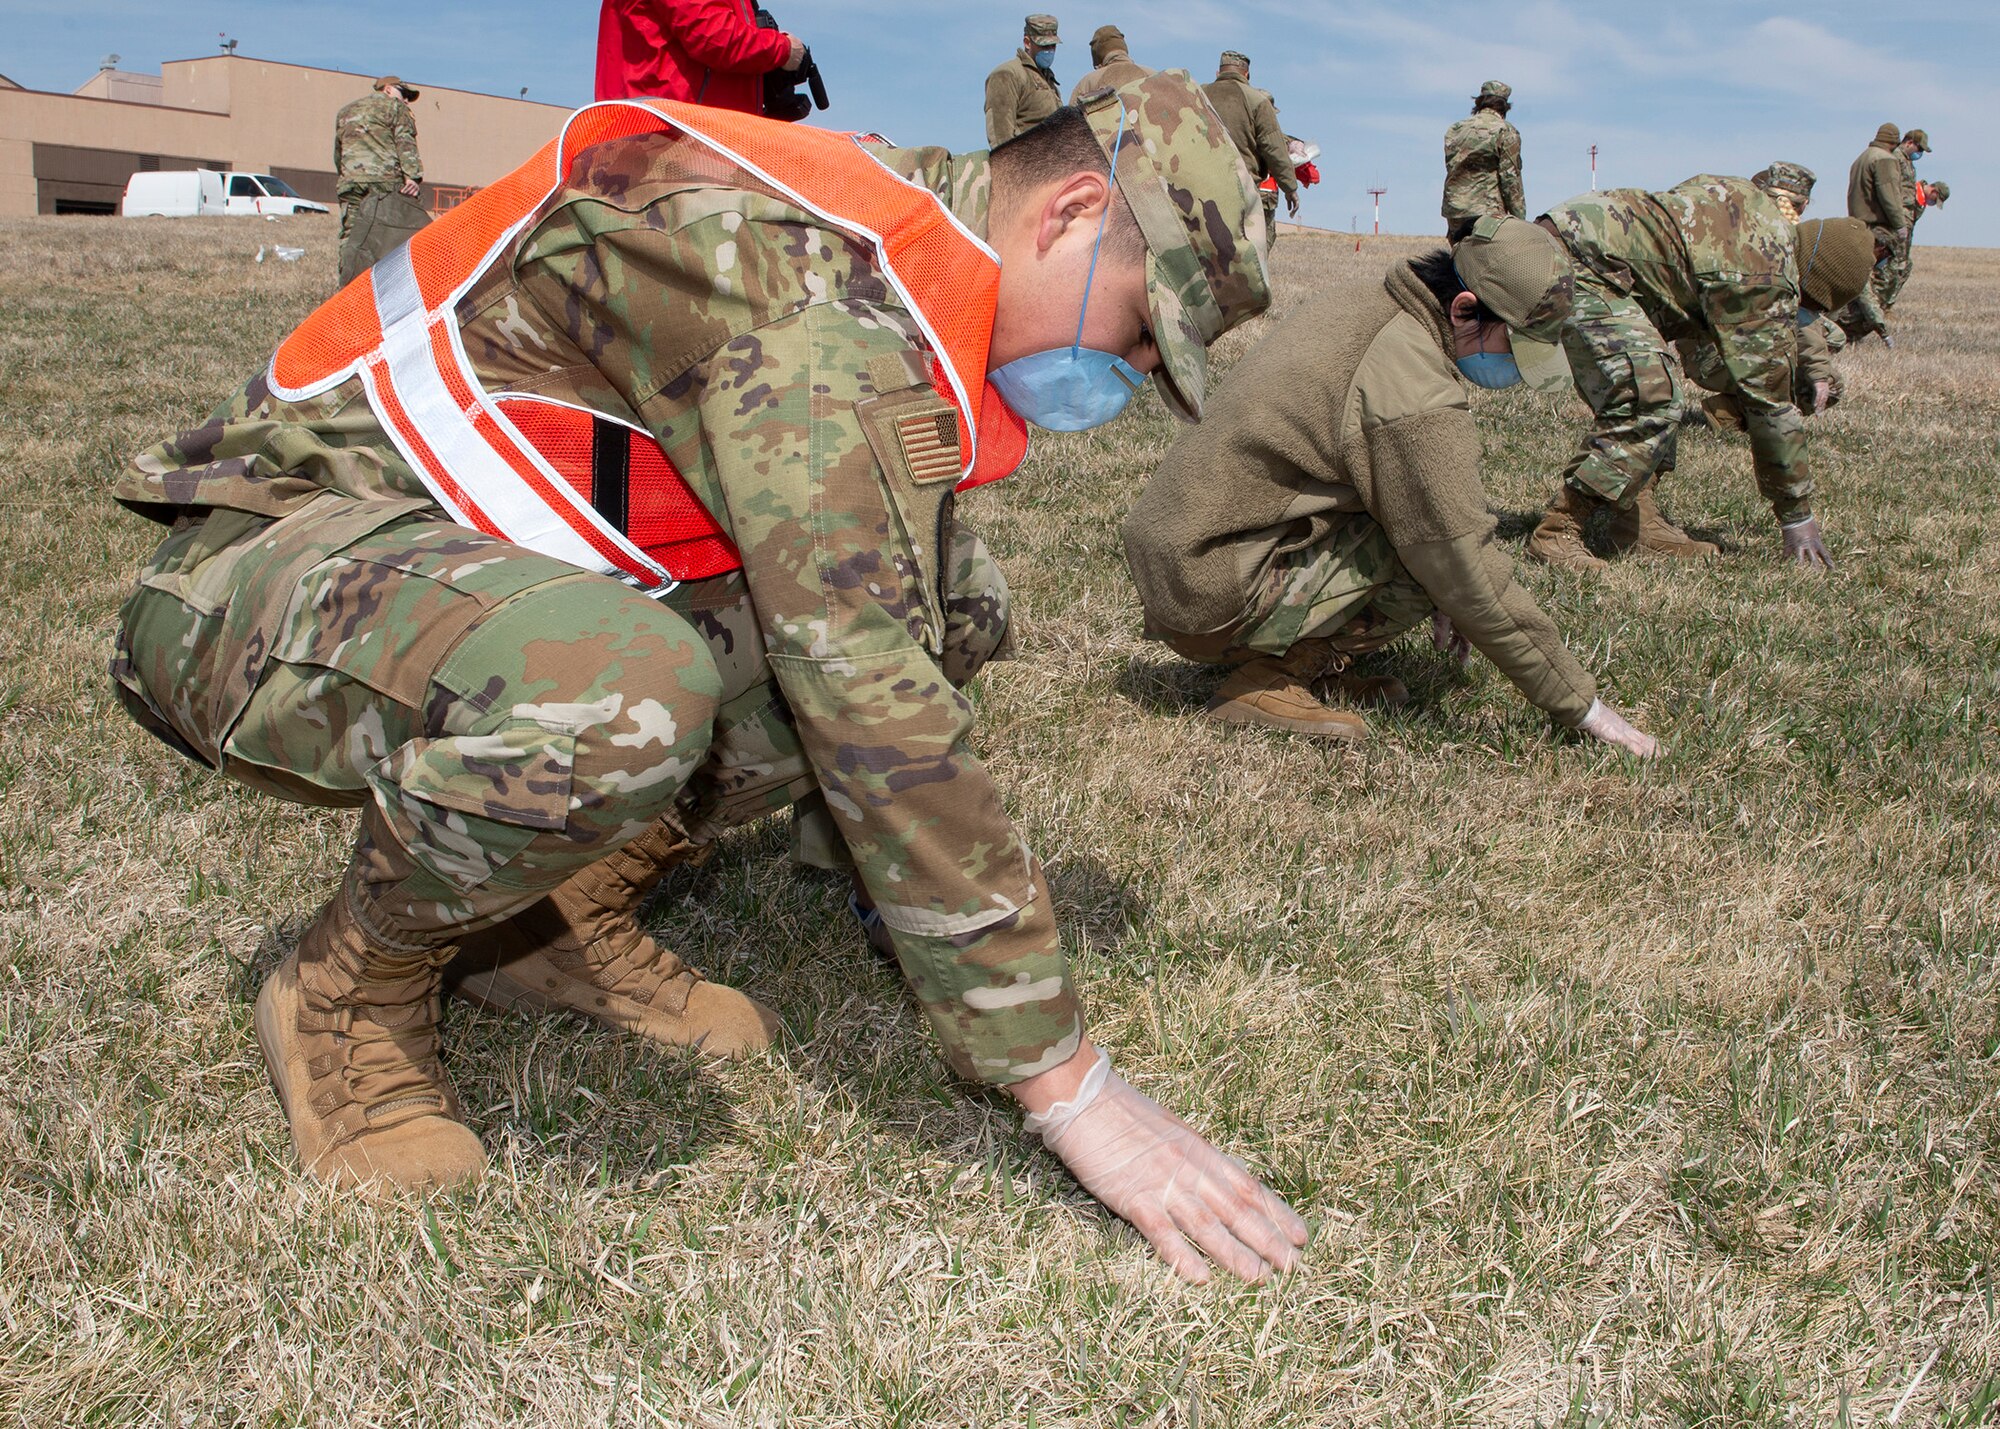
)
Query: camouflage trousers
[
  {"x": 1888, "y": 280},
  {"x": 1619, "y": 363},
  {"x": 1269, "y": 198},
  {"x": 501, "y": 718},
  {"x": 1348, "y": 588}
]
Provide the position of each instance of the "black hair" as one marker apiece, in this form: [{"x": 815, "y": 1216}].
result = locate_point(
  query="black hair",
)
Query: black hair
[
  {"x": 1497, "y": 105},
  {"x": 1436, "y": 271},
  {"x": 1061, "y": 145}
]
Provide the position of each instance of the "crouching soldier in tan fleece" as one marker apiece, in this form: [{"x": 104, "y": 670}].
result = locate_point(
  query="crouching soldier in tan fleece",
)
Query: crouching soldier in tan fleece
[{"x": 1330, "y": 500}]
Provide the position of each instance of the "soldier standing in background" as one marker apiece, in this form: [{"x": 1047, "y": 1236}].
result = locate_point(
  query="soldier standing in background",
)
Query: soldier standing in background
[
  {"x": 1711, "y": 261},
  {"x": 1251, "y": 117},
  {"x": 1879, "y": 196},
  {"x": 374, "y": 152},
  {"x": 1888, "y": 281},
  {"x": 1482, "y": 162},
  {"x": 1022, "y": 92},
  {"x": 1113, "y": 65}
]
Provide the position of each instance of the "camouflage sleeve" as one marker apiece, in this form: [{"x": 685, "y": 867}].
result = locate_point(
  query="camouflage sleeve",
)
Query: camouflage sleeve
[
  {"x": 1000, "y": 107},
  {"x": 407, "y": 159},
  {"x": 1272, "y": 151},
  {"x": 1816, "y": 365},
  {"x": 1756, "y": 338},
  {"x": 839, "y": 532},
  {"x": 1510, "y": 172}
]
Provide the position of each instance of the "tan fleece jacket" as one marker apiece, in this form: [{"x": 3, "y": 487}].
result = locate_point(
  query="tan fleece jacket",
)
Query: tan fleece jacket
[{"x": 1347, "y": 412}]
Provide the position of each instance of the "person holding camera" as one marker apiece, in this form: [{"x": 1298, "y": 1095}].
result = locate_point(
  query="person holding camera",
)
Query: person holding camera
[{"x": 709, "y": 52}]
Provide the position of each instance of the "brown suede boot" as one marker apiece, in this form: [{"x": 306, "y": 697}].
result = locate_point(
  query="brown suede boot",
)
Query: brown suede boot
[
  {"x": 1276, "y": 691},
  {"x": 581, "y": 950},
  {"x": 1643, "y": 528},
  {"x": 349, "y": 1029},
  {"x": 1558, "y": 541}
]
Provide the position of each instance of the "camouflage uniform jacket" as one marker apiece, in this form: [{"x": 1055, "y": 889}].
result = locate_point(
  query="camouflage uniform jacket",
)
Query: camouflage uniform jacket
[
  {"x": 1118, "y": 68},
  {"x": 1876, "y": 193},
  {"x": 1019, "y": 95},
  {"x": 1252, "y": 120},
  {"x": 1711, "y": 260},
  {"x": 375, "y": 143},
  {"x": 1482, "y": 169},
  {"x": 1348, "y": 411},
  {"x": 779, "y": 371}
]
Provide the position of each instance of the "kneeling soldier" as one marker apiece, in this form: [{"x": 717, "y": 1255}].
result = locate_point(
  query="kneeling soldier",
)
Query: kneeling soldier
[
  {"x": 614, "y": 510},
  {"x": 1330, "y": 500}
]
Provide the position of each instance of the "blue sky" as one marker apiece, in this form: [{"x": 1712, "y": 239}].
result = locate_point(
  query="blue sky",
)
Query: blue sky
[{"x": 1663, "y": 90}]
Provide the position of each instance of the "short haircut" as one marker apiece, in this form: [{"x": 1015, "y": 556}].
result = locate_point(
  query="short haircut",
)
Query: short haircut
[
  {"x": 1061, "y": 145},
  {"x": 1436, "y": 271}
]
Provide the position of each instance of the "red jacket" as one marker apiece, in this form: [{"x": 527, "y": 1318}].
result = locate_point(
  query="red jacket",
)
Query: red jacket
[{"x": 700, "y": 51}]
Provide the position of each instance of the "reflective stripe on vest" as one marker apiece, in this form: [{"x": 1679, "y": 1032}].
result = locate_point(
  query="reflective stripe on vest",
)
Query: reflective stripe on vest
[{"x": 395, "y": 327}]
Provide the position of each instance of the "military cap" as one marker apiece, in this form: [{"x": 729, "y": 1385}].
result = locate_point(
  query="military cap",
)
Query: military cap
[
  {"x": 1520, "y": 271},
  {"x": 1919, "y": 138},
  {"x": 1178, "y": 171},
  {"x": 1106, "y": 39},
  {"x": 1795, "y": 179},
  {"x": 1939, "y": 191},
  {"x": 1494, "y": 89},
  {"x": 1041, "y": 30},
  {"x": 1888, "y": 134},
  {"x": 1835, "y": 258},
  {"x": 389, "y": 81},
  {"x": 1232, "y": 59}
]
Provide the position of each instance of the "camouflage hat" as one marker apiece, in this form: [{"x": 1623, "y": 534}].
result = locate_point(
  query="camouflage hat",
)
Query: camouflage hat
[
  {"x": 1194, "y": 202},
  {"x": 1232, "y": 60},
  {"x": 1939, "y": 191},
  {"x": 389, "y": 81},
  {"x": 1888, "y": 134},
  {"x": 1835, "y": 258},
  {"x": 1104, "y": 41},
  {"x": 1919, "y": 138},
  {"x": 1041, "y": 30},
  {"x": 1494, "y": 89},
  {"x": 1520, "y": 271},
  {"x": 1794, "y": 179}
]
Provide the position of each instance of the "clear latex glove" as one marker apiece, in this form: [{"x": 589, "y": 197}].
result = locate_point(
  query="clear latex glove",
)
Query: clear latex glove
[
  {"x": 1445, "y": 637},
  {"x": 796, "y": 55},
  {"x": 1150, "y": 1167},
  {"x": 1604, "y": 723},
  {"x": 1804, "y": 544}
]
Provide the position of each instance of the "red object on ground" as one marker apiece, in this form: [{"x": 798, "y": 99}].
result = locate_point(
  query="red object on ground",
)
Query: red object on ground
[{"x": 698, "y": 51}]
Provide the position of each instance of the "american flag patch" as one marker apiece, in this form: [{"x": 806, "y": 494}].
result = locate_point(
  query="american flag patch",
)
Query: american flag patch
[{"x": 930, "y": 445}]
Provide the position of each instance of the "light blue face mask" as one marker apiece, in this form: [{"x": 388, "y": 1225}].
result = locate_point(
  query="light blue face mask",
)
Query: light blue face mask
[
  {"x": 1491, "y": 369},
  {"x": 1045, "y": 58},
  {"x": 1074, "y": 388},
  {"x": 1806, "y": 318}
]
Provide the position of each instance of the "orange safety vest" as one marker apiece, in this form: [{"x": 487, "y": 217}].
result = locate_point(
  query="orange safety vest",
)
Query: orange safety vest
[{"x": 584, "y": 486}]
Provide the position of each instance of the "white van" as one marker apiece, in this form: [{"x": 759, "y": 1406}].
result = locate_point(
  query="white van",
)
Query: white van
[
  {"x": 260, "y": 193},
  {"x": 175, "y": 193},
  {"x": 186, "y": 193}
]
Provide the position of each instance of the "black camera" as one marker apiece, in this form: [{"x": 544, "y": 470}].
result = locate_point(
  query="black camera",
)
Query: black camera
[{"x": 782, "y": 99}]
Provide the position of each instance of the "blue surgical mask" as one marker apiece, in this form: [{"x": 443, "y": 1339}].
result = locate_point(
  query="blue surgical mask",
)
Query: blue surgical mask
[
  {"x": 1045, "y": 58},
  {"x": 1074, "y": 388},
  {"x": 1806, "y": 318},
  {"x": 1491, "y": 369}
]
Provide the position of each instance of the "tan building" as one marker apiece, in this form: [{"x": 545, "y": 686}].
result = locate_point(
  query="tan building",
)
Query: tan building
[{"x": 72, "y": 153}]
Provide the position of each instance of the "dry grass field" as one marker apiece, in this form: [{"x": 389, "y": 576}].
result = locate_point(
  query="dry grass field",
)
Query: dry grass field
[{"x": 1615, "y": 1095}]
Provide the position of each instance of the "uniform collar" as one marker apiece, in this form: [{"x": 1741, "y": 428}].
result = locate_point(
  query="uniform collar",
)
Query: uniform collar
[{"x": 963, "y": 181}]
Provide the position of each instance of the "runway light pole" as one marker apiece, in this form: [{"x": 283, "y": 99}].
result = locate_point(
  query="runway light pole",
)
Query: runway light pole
[{"x": 1377, "y": 194}]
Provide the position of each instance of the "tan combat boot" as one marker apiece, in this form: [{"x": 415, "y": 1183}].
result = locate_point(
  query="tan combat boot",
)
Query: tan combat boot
[
  {"x": 1276, "y": 691},
  {"x": 1643, "y": 528},
  {"x": 349, "y": 1029},
  {"x": 1558, "y": 541},
  {"x": 581, "y": 950}
]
